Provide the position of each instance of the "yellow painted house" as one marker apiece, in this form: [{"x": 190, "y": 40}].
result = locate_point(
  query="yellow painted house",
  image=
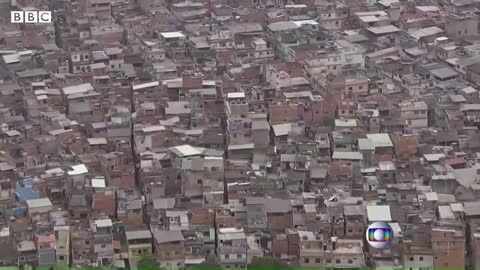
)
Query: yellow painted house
[{"x": 139, "y": 243}]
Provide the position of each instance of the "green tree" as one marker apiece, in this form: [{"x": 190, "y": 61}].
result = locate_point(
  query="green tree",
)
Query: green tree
[
  {"x": 148, "y": 263},
  {"x": 268, "y": 263},
  {"x": 207, "y": 265}
]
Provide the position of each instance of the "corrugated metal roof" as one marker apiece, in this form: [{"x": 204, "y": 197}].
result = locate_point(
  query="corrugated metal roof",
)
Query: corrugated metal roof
[{"x": 379, "y": 213}]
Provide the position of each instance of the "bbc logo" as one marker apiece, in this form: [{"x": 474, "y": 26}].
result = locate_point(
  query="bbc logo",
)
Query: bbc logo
[{"x": 31, "y": 17}]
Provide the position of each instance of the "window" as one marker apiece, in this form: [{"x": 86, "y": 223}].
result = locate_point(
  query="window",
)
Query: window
[
  {"x": 61, "y": 257},
  {"x": 360, "y": 87},
  {"x": 337, "y": 261},
  {"x": 239, "y": 256},
  {"x": 350, "y": 261},
  {"x": 306, "y": 260},
  {"x": 329, "y": 260},
  {"x": 420, "y": 258},
  {"x": 317, "y": 260},
  {"x": 227, "y": 256},
  {"x": 411, "y": 259},
  {"x": 103, "y": 246}
]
